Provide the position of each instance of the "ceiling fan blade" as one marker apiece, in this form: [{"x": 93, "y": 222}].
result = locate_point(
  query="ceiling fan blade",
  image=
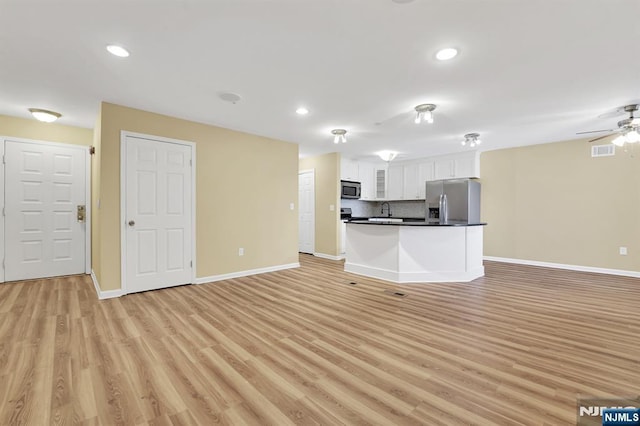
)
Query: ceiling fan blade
[
  {"x": 601, "y": 137},
  {"x": 595, "y": 131}
]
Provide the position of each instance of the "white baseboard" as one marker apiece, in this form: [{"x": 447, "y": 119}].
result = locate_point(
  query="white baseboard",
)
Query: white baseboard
[
  {"x": 107, "y": 294},
  {"x": 579, "y": 268},
  {"x": 328, "y": 256},
  {"x": 239, "y": 274},
  {"x": 415, "y": 277}
]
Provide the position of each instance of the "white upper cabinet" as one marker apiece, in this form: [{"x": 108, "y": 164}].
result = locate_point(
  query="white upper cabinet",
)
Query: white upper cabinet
[
  {"x": 444, "y": 168},
  {"x": 406, "y": 180},
  {"x": 411, "y": 182},
  {"x": 380, "y": 173},
  {"x": 366, "y": 175},
  {"x": 415, "y": 177},
  {"x": 395, "y": 182},
  {"x": 465, "y": 165},
  {"x": 425, "y": 173},
  {"x": 349, "y": 170}
]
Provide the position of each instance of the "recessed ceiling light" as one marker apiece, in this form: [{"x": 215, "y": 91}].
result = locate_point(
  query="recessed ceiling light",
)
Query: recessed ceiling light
[
  {"x": 446, "y": 54},
  {"x": 402, "y": 1},
  {"x": 233, "y": 98},
  {"x": 44, "y": 115},
  {"x": 302, "y": 111},
  {"x": 118, "y": 50}
]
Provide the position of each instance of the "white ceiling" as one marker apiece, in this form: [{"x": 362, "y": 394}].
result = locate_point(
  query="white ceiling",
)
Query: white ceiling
[{"x": 528, "y": 72}]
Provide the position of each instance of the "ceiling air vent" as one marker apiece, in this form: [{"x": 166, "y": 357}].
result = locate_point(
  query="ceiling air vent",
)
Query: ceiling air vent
[{"x": 603, "y": 150}]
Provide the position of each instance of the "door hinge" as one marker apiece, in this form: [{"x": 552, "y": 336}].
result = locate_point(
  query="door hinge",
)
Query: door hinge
[
  {"x": 191, "y": 263},
  {"x": 3, "y": 162},
  {"x": 3, "y": 211},
  {"x": 191, "y": 162}
]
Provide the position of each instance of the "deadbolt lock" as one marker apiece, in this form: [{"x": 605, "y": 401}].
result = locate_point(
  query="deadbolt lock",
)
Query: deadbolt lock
[{"x": 81, "y": 213}]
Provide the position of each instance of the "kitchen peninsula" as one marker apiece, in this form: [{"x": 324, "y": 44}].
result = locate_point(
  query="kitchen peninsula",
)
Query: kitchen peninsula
[{"x": 414, "y": 251}]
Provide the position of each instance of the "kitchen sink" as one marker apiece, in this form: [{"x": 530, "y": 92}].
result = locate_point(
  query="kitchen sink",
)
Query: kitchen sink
[{"x": 385, "y": 219}]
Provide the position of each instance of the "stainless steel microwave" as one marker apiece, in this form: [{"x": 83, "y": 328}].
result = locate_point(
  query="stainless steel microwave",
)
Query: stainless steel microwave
[{"x": 349, "y": 189}]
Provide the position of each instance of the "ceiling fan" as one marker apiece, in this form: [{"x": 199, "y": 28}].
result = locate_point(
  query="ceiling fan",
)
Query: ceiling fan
[{"x": 628, "y": 129}]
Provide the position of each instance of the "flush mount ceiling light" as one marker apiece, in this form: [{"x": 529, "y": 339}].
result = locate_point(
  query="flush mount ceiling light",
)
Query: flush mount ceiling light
[
  {"x": 339, "y": 135},
  {"x": 424, "y": 112},
  {"x": 446, "y": 54},
  {"x": 471, "y": 139},
  {"x": 119, "y": 51},
  {"x": 44, "y": 115},
  {"x": 302, "y": 111},
  {"x": 387, "y": 155}
]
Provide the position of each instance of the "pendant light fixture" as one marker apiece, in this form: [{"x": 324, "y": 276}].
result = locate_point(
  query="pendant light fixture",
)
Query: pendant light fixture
[
  {"x": 471, "y": 139},
  {"x": 424, "y": 112},
  {"x": 44, "y": 115},
  {"x": 339, "y": 135}
]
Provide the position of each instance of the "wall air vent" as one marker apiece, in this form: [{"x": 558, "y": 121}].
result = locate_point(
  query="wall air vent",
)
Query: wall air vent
[{"x": 603, "y": 150}]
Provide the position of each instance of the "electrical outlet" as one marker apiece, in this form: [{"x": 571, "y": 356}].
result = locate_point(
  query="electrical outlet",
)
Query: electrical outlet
[
  {"x": 623, "y": 251},
  {"x": 332, "y": 208},
  {"x": 291, "y": 206},
  {"x": 241, "y": 251}
]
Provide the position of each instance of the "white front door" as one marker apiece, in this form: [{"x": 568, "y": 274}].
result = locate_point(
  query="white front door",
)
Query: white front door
[
  {"x": 306, "y": 214},
  {"x": 158, "y": 214},
  {"x": 44, "y": 186}
]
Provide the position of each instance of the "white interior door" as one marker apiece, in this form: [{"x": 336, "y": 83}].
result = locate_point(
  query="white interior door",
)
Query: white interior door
[
  {"x": 158, "y": 214},
  {"x": 44, "y": 185},
  {"x": 306, "y": 212}
]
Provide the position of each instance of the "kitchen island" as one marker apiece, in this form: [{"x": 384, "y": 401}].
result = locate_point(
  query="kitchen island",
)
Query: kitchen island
[{"x": 414, "y": 251}]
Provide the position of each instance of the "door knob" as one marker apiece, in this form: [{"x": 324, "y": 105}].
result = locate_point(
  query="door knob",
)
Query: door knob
[{"x": 132, "y": 222}]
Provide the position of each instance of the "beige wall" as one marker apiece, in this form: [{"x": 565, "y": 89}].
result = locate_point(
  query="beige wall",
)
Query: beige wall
[
  {"x": 245, "y": 184},
  {"x": 327, "y": 180},
  {"x": 96, "y": 234},
  {"x": 554, "y": 203},
  {"x": 51, "y": 132}
]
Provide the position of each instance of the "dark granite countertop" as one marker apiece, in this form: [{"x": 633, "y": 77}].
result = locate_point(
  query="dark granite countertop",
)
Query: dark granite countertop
[{"x": 412, "y": 222}]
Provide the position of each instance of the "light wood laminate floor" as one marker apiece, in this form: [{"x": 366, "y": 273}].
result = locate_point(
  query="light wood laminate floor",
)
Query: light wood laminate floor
[{"x": 304, "y": 346}]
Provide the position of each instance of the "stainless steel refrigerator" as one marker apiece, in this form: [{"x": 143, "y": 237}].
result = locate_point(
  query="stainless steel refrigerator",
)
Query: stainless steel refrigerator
[{"x": 462, "y": 200}]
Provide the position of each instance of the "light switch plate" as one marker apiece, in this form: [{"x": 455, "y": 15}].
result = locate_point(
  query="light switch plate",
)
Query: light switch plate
[{"x": 332, "y": 208}]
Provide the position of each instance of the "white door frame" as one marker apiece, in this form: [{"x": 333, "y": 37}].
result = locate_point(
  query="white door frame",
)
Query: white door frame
[
  {"x": 87, "y": 192},
  {"x": 313, "y": 236},
  {"x": 123, "y": 196}
]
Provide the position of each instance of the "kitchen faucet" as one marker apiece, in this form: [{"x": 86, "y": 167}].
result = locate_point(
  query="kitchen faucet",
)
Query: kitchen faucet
[{"x": 388, "y": 208}]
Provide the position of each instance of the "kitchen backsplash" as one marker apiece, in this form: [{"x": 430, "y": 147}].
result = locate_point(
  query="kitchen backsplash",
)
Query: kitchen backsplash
[
  {"x": 360, "y": 208},
  {"x": 373, "y": 208}
]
